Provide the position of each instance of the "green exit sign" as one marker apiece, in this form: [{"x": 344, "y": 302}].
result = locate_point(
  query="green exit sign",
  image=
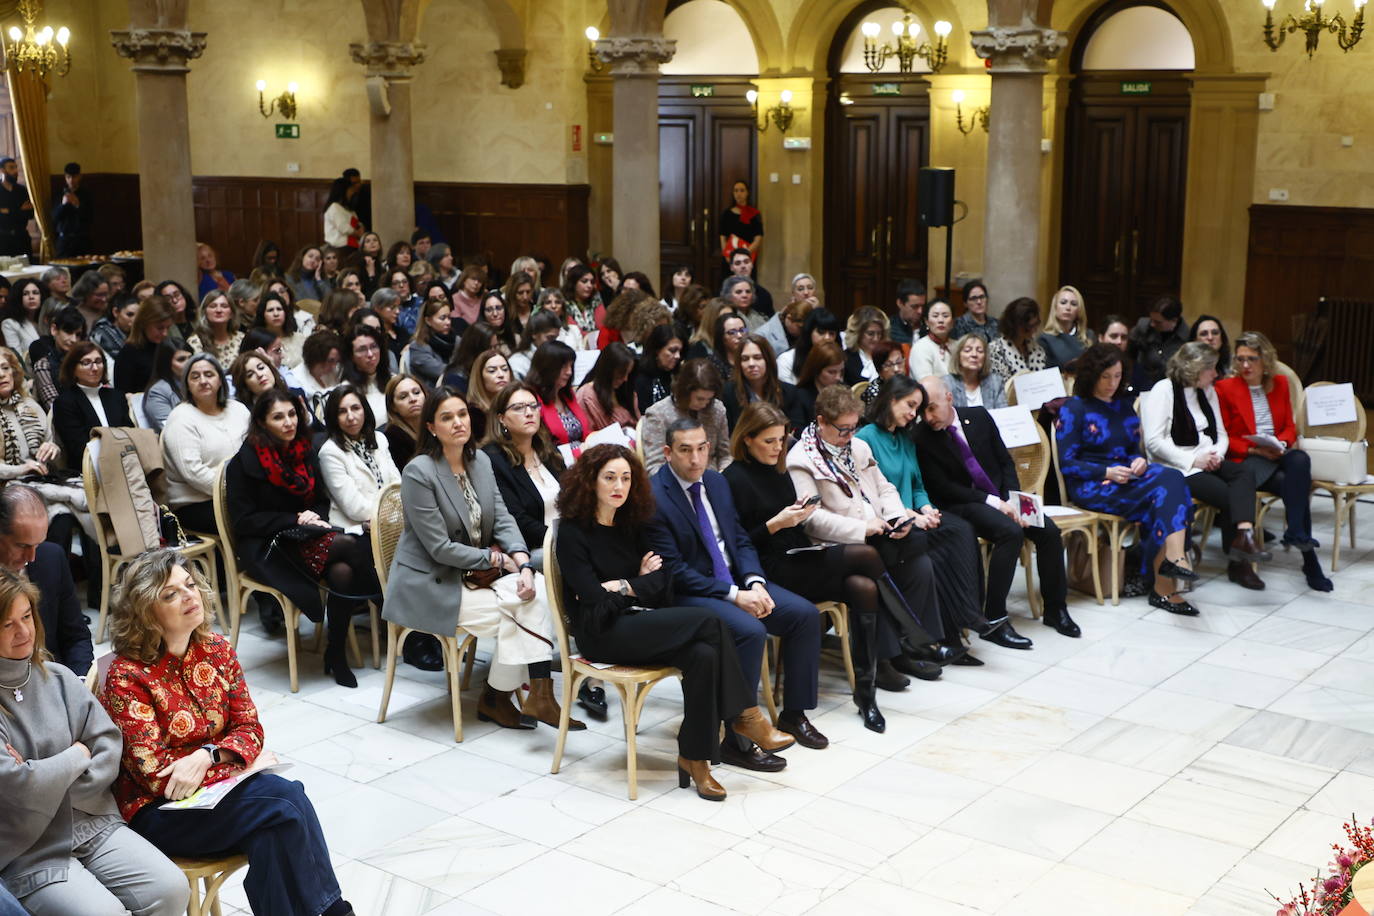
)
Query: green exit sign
[
  {"x": 288, "y": 131},
  {"x": 1136, "y": 88},
  {"x": 703, "y": 90},
  {"x": 887, "y": 88}
]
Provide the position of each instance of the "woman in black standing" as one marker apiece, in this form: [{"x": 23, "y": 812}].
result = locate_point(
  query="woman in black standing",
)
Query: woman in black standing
[{"x": 741, "y": 226}]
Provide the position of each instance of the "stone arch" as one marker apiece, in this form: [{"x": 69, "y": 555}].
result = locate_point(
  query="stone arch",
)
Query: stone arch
[
  {"x": 1203, "y": 19},
  {"x": 813, "y": 30},
  {"x": 509, "y": 16}
]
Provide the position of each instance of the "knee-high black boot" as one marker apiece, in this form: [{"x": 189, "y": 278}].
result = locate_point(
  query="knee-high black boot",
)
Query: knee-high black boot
[
  {"x": 866, "y": 672},
  {"x": 339, "y": 615},
  {"x": 894, "y": 603}
]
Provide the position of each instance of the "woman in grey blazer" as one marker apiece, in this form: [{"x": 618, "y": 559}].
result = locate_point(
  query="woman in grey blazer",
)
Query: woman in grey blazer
[
  {"x": 456, "y": 522},
  {"x": 971, "y": 380}
]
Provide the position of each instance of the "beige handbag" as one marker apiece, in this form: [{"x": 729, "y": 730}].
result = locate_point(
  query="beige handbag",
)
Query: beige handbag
[{"x": 1337, "y": 460}]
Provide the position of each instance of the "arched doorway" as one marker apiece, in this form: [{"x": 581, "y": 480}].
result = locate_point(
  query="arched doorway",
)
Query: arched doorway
[
  {"x": 1125, "y": 164},
  {"x": 877, "y": 140}
]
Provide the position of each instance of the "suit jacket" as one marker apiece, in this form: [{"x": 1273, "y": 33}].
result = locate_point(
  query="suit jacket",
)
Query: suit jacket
[
  {"x": 947, "y": 480},
  {"x": 73, "y": 418},
  {"x": 66, "y": 635},
  {"x": 677, "y": 538},
  {"x": 425, "y": 588},
  {"x": 1238, "y": 413},
  {"x": 521, "y": 496}
]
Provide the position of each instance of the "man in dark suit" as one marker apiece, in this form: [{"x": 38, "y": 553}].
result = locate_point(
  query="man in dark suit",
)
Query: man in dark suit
[
  {"x": 714, "y": 565},
  {"x": 23, "y": 527},
  {"x": 968, "y": 472}
]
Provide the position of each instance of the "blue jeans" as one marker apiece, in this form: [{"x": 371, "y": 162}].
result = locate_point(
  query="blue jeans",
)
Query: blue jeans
[
  {"x": 270, "y": 820},
  {"x": 8, "y": 905}
]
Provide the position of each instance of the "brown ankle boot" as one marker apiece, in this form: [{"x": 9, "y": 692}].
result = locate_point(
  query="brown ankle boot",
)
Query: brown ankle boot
[
  {"x": 542, "y": 705},
  {"x": 699, "y": 772},
  {"x": 752, "y": 725},
  {"x": 496, "y": 706}
]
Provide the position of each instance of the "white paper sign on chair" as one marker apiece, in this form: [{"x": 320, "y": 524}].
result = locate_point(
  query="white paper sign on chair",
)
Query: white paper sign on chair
[
  {"x": 1033, "y": 389},
  {"x": 1016, "y": 425},
  {"x": 1329, "y": 404}
]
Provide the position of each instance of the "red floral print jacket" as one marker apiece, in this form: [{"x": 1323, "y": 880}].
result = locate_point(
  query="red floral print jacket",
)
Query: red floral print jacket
[{"x": 170, "y": 708}]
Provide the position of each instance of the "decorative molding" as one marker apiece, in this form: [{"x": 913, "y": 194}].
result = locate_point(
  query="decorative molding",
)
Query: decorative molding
[
  {"x": 159, "y": 50},
  {"x": 391, "y": 60},
  {"x": 511, "y": 62},
  {"x": 1018, "y": 49},
  {"x": 635, "y": 55}
]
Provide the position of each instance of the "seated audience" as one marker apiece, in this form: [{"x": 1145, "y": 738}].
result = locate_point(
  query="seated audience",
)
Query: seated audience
[
  {"x": 354, "y": 466},
  {"x": 20, "y": 325},
  {"x": 1155, "y": 339},
  {"x": 182, "y": 733},
  {"x": 702, "y": 343},
  {"x": 866, "y": 327},
  {"x": 975, "y": 319},
  {"x": 618, "y": 316},
  {"x": 494, "y": 314},
  {"x": 152, "y": 325},
  {"x": 339, "y": 305},
  {"x": 908, "y": 325},
  {"x": 570, "y": 332},
  {"x": 696, "y": 395},
  {"x": 1066, "y": 333},
  {"x": 519, "y": 293},
  {"x": 27, "y": 434},
  {"x": 1212, "y": 332},
  {"x": 1116, "y": 332},
  {"x": 890, "y": 359},
  {"x": 477, "y": 339},
  {"x": 216, "y": 330},
  {"x": 387, "y": 305},
  {"x": 65, "y": 330},
  {"x": 713, "y": 565},
  {"x": 820, "y": 325},
  {"x": 1255, "y": 402},
  {"x": 91, "y": 296},
  {"x": 971, "y": 380},
  {"x": 432, "y": 346},
  {"x": 166, "y": 385},
  {"x": 969, "y": 474},
  {"x": 1016, "y": 349},
  {"x": 490, "y": 373},
  {"x": 252, "y": 373},
  {"x": 278, "y": 508},
  {"x": 742, "y": 294},
  {"x": 542, "y": 327},
  {"x": 784, "y": 329},
  {"x": 457, "y": 527},
  {"x": 365, "y": 367},
  {"x": 551, "y": 376},
  {"x": 25, "y": 550},
  {"x": 321, "y": 355},
  {"x": 277, "y": 316},
  {"x": 202, "y": 432},
  {"x": 66, "y": 850},
  {"x": 467, "y": 296},
  {"x": 608, "y": 394},
  {"x": 677, "y": 286},
  {"x": 85, "y": 401},
  {"x": 179, "y": 298},
  {"x": 611, "y": 572},
  {"x": 658, "y": 365},
  {"x": 526, "y": 464},
  {"x": 405, "y": 398},
  {"x": 648, "y": 315},
  {"x": 307, "y": 274},
  {"x": 930, "y": 354},
  {"x": 111, "y": 332},
  {"x": 754, "y": 379},
  {"x": 243, "y": 301},
  {"x": 1104, "y": 470},
  {"x": 824, "y": 367}
]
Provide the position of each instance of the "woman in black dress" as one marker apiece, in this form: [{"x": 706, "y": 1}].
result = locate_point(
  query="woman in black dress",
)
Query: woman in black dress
[
  {"x": 741, "y": 226},
  {"x": 616, "y": 595}
]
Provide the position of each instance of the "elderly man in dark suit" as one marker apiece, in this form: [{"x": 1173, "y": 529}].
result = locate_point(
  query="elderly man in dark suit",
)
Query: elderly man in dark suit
[
  {"x": 968, "y": 472},
  {"x": 714, "y": 565},
  {"x": 23, "y": 527}
]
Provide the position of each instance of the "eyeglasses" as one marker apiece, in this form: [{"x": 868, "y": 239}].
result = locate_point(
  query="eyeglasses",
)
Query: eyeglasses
[
  {"x": 736, "y": 332},
  {"x": 366, "y": 349},
  {"x": 527, "y": 408},
  {"x": 1245, "y": 359},
  {"x": 980, "y": 297},
  {"x": 91, "y": 363},
  {"x": 844, "y": 430}
]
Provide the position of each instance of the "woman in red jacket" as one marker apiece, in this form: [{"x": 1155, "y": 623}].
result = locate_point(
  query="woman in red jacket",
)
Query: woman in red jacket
[
  {"x": 1255, "y": 403},
  {"x": 551, "y": 374}
]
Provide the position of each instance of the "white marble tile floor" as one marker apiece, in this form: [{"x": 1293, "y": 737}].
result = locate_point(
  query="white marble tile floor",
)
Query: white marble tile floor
[{"x": 1159, "y": 765}]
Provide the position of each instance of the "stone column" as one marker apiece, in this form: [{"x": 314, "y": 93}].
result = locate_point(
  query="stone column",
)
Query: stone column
[
  {"x": 164, "y": 153},
  {"x": 1011, "y": 240},
  {"x": 389, "y": 72},
  {"x": 634, "y": 61}
]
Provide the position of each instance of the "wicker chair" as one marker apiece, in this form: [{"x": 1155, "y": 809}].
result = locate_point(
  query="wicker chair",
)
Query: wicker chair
[
  {"x": 1345, "y": 495},
  {"x": 388, "y": 521},
  {"x": 1116, "y": 526},
  {"x": 838, "y": 613},
  {"x": 1032, "y": 469},
  {"x": 631, "y": 682}
]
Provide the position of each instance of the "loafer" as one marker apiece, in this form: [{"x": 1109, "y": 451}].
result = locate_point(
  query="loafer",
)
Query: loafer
[
  {"x": 869, "y": 712},
  {"x": 968, "y": 661},
  {"x": 800, "y": 727},
  {"x": 1181, "y": 608},
  {"x": 921, "y": 670},
  {"x": 756, "y": 758},
  {"x": 937, "y": 653},
  {"x": 1244, "y": 575},
  {"x": 1171, "y": 570},
  {"x": 890, "y": 679},
  {"x": 1005, "y": 635},
  {"x": 422, "y": 651},
  {"x": 592, "y": 700},
  {"x": 1244, "y": 549},
  {"x": 1062, "y": 623}
]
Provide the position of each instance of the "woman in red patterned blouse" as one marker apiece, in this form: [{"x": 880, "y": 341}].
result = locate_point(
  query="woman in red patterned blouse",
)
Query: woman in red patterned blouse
[{"x": 177, "y": 692}]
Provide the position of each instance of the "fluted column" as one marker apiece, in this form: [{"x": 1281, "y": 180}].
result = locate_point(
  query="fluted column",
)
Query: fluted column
[
  {"x": 1011, "y": 240},
  {"x": 160, "y": 59},
  {"x": 634, "y": 64},
  {"x": 390, "y": 68}
]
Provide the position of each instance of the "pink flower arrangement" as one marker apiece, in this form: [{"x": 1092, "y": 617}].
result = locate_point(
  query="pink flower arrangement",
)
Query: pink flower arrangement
[{"x": 1330, "y": 894}]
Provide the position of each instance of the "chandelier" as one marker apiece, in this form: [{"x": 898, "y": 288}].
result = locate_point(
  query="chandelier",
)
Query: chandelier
[
  {"x": 39, "y": 50},
  {"x": 1312, "y": 24},
  {"x": 905, "y": 50}
]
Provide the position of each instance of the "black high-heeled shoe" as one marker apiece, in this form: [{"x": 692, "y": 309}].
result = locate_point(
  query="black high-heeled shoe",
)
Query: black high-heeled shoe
[
  {"x": 592, "y": 700},
  {"x": 1173, "y": 607},
  {"x": 869, "y": 712},
  {"x": 1312, "y": 571},
  {"x": 336, "y": 663},
  {"x": 1171, "y": 570}
]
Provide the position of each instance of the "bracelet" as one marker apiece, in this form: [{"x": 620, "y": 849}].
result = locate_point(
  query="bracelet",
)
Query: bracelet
[{"x": 530, "y": 566}]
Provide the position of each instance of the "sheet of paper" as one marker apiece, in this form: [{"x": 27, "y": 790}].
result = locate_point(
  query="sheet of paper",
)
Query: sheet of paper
[
  {"x": 207, "y": 797},
  {"x": 1262, "y": 439},
  {"x": 1053, "y": 511},
  {"x": 1016, "y": 425},
  {"x": 1030, "y": 507},
  {"x": 1035, "y": 388},
  {"x": 1331, "y": 404},
  {"x": 615, "y": 434},
  {"x": 583, "y": 362}
]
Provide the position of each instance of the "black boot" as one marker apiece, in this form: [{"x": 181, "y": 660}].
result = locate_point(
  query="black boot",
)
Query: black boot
[
  {"x": 909, "y": 626},
  {"x": 866, "y": 673},
  {"x": 336, "y": 646},
  {"x": 1312, "y": 569}
]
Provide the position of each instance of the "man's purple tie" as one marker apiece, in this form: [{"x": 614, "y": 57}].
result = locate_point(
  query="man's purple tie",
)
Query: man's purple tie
[
  {"x": 719, "y": 568},
  {"x": 975, "y": 470}
]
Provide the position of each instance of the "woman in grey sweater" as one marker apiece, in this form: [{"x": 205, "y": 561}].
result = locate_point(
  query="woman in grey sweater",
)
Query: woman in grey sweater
[{"x": 64, "y": 849}]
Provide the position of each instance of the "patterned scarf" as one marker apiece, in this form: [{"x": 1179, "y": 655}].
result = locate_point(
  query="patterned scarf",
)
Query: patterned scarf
[
  {"x": 287, "y": 468},
  {"x": 13, "y": 425},
  {"x": 832, "y": 463},
  {"x": 367, "y": 456}
]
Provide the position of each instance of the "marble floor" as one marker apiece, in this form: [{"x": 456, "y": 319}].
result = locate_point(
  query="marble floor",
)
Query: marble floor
[{"x": 1158, "y": 765}]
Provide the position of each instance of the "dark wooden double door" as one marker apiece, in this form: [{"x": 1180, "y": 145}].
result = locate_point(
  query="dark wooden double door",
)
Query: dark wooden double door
[
  {"x": 1124, "y": 183},
  {"x": 877, "y": 145},
  {"x": 705, "y": 145}
]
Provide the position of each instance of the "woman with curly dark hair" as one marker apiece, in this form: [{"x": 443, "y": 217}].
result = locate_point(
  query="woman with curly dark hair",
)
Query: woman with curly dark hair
[
  {"x": 617, "y": 595},
  {"x": 1019, "y": 348}
]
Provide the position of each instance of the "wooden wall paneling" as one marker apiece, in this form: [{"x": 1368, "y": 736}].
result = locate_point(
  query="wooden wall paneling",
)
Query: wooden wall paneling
[{"x": 118, "y": 221}]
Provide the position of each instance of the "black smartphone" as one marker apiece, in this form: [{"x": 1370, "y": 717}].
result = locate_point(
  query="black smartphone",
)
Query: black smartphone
[
  {"x": 811, "y": 501},
  {"x": 899, "y": 524}
]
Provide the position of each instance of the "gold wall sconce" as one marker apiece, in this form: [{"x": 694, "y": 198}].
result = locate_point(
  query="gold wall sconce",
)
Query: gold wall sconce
[
  {"x": 284, "y": 103},
  {"x": 978, "y": 117},
  {"x": 779, "y": 115},
  {"x": 906, "y": 50},
  {"x": 1311, "y": 23},
  {"x": 593, "y": 36}
]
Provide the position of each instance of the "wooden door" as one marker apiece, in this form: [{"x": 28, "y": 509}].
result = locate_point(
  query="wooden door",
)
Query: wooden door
[{"x": 1124, "y": 182}]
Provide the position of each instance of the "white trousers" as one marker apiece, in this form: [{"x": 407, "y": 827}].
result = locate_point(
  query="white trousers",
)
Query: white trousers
[{"x": 493, "y": 613}]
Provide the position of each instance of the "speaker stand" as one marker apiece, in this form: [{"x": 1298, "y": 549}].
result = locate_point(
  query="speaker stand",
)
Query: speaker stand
[{"x": 949, "y": 258}]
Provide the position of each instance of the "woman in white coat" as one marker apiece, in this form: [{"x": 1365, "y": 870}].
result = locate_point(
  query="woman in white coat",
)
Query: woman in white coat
[{"x": 354, "y": 460}]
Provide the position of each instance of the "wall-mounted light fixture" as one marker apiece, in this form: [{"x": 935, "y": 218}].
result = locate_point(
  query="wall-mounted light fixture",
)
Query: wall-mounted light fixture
[
  {"x": 284, "y": 103},
  {"x": 40, "y": 50},
  {"x": 593, "y": 36},
  {"x": 905, "y": 50},
  {"x": 1312, "y": 24},
  {"x": 780, "y": 114},
  {"x": 978, "y": 117}
]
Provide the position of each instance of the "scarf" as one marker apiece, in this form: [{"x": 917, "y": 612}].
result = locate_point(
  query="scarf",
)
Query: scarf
[
  {"x": 1184, "y": 431},
  {"x": 12, "y": 426},
  {"x": 832, "y": 463},
  {"x": 442, "y": 345},
  {"x": 747, "y": 214},
  {"x": 287, "y": 468},
  {"x": 367, "y": 456}
]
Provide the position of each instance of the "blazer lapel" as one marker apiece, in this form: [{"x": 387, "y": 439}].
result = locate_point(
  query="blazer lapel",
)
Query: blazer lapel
[
  {"x": 448, "y": 484},
  {"x": 679, "y": 500}
]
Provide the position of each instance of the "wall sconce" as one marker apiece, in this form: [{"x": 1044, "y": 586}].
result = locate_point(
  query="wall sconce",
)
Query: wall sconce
[
  {"x": 285, "y": 103},
  {"x": 780, "y": 114},
  {"x": 978, "y": 117},
  {"x": 1311, "y": 24},
  {"x": 593, "y": 36},
  {"x": 905, "y": 50}
]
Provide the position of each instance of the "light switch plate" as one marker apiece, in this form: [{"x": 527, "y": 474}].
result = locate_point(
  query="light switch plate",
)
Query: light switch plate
[
  {"x": 773, "y": 177},
  {"x": 293, "y": 166},
  {"x": 796, "y": 179},
  {"x": 1266, "y": 101},
  {"x": 1278, "y": 193}
]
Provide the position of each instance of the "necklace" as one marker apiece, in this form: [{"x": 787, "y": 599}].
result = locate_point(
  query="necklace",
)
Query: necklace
[{"x": 18, "y": 689}]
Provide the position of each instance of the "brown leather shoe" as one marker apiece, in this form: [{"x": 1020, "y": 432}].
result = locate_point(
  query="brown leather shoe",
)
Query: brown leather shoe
[
  {"x": 496, "y": 706},
  {"x": 752, "y": 725},
  {"x": 800, "y": 727},
  {"x": 699, "y": 772},
  {"x": 1245, "y": 549},
  {"x": 1243, "y": 574},
  {"x": 542, "y": 705}
]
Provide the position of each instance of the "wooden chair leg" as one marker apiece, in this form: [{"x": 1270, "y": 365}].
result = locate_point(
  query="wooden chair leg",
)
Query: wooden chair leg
[
  {"x": 212, "y": 897},
  {"x": 376, "y": 619},
  {"x": 766, "y": 682},
  {"x": 1116, "y": 537},
  {"x": 193, "y": 906},
  {"x": 471, "y": 651},
  {"x": 353, "y": 647},
  {"x": 1091, "y": 535},
  {"x": 1338, "y": 504},
  {"x": 629, "y": 709},
  {"x": 571, "y": 682},
  {"x": 240, "y": 606},
  {"x": 452, "y": 661},
  {"x": 396, "y": 637},
  {"x": 292, "y": 621},
  {"x": 1032, "y": 596},
  {"x": 841, "y": 620}
]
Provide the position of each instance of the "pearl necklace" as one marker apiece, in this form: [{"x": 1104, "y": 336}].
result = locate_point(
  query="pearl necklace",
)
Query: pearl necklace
[{"x": 18, "y": 689}]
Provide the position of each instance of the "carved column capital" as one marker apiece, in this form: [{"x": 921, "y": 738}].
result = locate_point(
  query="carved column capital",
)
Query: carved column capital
[
  {"x": 159, "y": 50},
  {"x": 391, "y": 60},
  {"x": 511, "y": 61},
  {"x": 1022, "y": 48},
  {"x": 635, "y": 55}
]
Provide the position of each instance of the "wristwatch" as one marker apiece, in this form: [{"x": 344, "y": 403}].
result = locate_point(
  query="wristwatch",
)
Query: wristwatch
[
  {"x": 624, "y": 587},
  {"x": 530, "y": 566},
  {"x": 215, "y": 756}
]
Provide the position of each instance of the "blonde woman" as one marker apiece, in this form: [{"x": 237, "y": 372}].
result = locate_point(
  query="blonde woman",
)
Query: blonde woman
[
  {"x": 1066, "y": 333},
  {"x": 216, "y": 330},
  {"x": 971, "y": 380},
  {"x": 866, "y": 327}
]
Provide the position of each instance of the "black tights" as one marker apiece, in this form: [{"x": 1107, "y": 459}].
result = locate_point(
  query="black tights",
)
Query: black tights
[
  {"x": 847, "y": 573},
  {"x": 348, "y": 571}
]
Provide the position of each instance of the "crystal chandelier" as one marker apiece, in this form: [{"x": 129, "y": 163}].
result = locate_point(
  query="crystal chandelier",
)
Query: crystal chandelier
[{"x": 39, "y": 50}]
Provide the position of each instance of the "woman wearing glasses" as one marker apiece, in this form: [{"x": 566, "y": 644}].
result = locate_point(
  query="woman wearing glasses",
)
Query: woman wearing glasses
[
  {"x": 84, "y": 401},
  {"x": 976, "y": 319},
  {"x": 526, "y": 464}
]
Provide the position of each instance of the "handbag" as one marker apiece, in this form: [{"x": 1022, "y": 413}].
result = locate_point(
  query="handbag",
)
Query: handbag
[
  {"x": 482, "y": 578},
  {"x": 1080, "y": 569},
  {"x": 1337, "y": 460}
]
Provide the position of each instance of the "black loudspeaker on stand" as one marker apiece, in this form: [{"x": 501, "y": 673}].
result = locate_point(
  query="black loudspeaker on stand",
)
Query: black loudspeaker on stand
[{"x": 935, "y": 196}]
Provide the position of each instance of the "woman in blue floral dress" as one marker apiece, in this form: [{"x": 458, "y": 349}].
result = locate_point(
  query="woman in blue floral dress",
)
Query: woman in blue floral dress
[{"x": 1104, "y": 470}]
